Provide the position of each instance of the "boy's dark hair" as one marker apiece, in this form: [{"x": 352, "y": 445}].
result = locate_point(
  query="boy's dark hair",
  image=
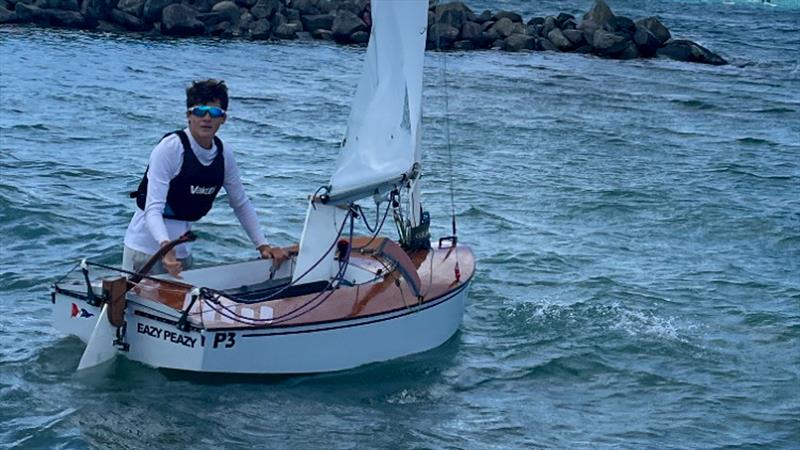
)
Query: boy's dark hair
[{"x": 201, "y": 92}]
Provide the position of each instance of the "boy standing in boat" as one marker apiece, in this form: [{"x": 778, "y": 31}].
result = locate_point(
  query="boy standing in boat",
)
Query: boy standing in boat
[{"x": 186, "y": 171}]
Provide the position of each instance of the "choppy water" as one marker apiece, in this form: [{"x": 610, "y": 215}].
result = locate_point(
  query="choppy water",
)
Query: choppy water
[{"x": 637, "y": 228}]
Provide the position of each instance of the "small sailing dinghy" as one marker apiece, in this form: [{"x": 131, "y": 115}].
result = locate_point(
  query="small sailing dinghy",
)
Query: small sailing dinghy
[{"x": 341, "y": 300}]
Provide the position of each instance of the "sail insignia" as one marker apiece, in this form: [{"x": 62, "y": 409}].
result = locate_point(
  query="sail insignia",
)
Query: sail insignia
[{"x": 406, "y": 123}]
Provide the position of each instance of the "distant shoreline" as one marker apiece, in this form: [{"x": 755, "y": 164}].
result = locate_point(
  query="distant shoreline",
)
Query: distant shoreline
[{"x": 451, "y": 26}]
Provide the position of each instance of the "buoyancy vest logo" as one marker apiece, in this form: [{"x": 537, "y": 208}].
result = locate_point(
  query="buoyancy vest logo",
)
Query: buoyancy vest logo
[{"x": 202, "y": 190}]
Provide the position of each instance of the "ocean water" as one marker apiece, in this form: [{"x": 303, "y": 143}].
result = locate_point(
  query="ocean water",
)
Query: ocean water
[{"x": 636, "y": 226}]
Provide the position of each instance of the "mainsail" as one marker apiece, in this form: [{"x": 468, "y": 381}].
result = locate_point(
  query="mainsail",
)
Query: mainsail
[
  {"x": 381, "y": 146},
  {"x": 382, "y": 140}
]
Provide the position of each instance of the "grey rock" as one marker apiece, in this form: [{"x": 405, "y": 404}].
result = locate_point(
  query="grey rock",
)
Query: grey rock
[
  {"x": 549, "y": 25},
  {"x": 630, "y": 52},
  {"x": 563, "y": 18},
  {"x": 646, "y": 41},
  {"x": 485, "y": 16},
  {"x": 471, "y": 31},
  {"x": 180, "y": 20},
  {"x": 264, "y": 9},
  {"x": 584, "y": 49},
  {"x": 109, "y": 27},
  {"x": 536, "y": 21},
  {"x": 359, "y": 37},
  {"x": 514, "y": 17},
  {"x": 260, "y": 30},
  {"x": 546, "y": 45},
  {"x": 7, "y": 16},
  {"x": 127, "y": 20},
  {"x": 568, "y": 24},
  {"x": 463, "y": 45},
  {"x": 559, "y": 40},
  {"x": 574, "y": 36},
  {"x": 229, "y": 10},
  {"x": 487, "y": 25},
  {"x": 345, "y": 24},
  {"x": 518, "y": 42},
  {"x": 151, "y": 12},
  {"x": 454, "y": 14},
  {"x": 519, "y": 28},
  {"x": 95, "y": 10},
  {"x": 442, "y": 36},
  {"x": 653, "y": 25},
  {"x": 199, "y": 5},
  {"x": 606, "y": 43},
  {"x": 318, "y": 21},
  {"x": 685, "y": 50},
  {"x": 286, "y": 30},
  {"x": 246, "y": 3},
  {"x": 503, "y": 27},
  {"x": 599, "y": 14},
  {"x": 621, "y": 25},
  {"x": 306, "y": 7},
  {"x": 291, "y": 14},
  {"x": 133, "y": 7},
  {"x": 325, "y": 35},
  {"x": 304, "y": 36},
  {"x": 588, "y": 27}
]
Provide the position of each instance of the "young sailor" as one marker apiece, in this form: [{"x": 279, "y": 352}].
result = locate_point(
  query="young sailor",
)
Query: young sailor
[{"x": 186, "y": 171}]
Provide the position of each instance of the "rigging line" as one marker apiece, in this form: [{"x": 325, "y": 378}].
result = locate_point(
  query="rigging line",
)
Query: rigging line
[
  {"x": 447, "y": 137},
  {"x": 240, "y": 300}
]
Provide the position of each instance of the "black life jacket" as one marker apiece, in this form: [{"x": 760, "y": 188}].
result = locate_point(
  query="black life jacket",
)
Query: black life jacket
[{"x": 192, "y": 192}]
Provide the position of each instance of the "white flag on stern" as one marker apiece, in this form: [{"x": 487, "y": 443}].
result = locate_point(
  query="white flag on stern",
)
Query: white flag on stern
[{"x": 382, "y": 131}]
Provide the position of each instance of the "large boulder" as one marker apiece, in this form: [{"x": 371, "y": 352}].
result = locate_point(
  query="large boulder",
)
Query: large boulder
[
  {"x": 265, "y": 9},
  {"x": 599, "y": 14},
  {"x": 606, "y": 43},
  {"x": 471, "y": 31},
  {"x": 260, "y": 30},
  {"x": 133, "y": 7},
  {"x": 318, "y": 22},
  {"x": 180, "y": 20},
  {"x": 517, "y": 42},
  {"x": 514, "y": 17},
  {"x": 153, "y": 8},
  {"x": 588, "y": 27},
  {"x": 287, "y": 30},
  {"x": 559, "y": 40},
  {"x": 646, "y": 42},
  {"x": 229, "y": 11},
  {"x": 94, "y": 11},
  {"x": 454, "y": 14},
  {"x": 503, "y": 27},
  {"x": 7, "y": 16},
  {"x": 621, "y": 25},
  {"x": 306, "y": 7},
  {"x": 127, "y": 20},
  {"x": 685, "y": 50},
  {"x": 345, "y": 24},
  {"x": 442, "y": 36},
  {"x": 653, "y": 25},
  {"x": 574, "y": 36}
]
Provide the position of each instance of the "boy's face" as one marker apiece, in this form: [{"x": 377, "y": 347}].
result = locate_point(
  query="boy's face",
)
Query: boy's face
[{"x": 204, "y": 128}]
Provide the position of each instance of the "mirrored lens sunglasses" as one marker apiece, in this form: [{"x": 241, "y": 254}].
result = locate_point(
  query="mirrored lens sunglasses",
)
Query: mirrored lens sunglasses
[{"x": 213, "y": 111}]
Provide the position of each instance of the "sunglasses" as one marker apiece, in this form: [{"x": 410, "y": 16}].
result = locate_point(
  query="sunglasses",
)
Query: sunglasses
[{"x": 213, "y": 111}]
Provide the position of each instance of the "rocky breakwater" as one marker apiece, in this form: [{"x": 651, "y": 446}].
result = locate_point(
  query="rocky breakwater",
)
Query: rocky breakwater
[{"x": 450, "y": 26}]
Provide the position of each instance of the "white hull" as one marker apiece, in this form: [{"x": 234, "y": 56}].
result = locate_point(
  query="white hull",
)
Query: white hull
[{"x": 155, "y": 340}]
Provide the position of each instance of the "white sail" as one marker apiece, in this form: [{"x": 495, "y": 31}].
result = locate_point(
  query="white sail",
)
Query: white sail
[{"x": 383, "y": 129}]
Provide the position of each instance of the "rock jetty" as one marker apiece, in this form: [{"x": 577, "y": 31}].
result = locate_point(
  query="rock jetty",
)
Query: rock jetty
[{"x": 451, "y": 26}]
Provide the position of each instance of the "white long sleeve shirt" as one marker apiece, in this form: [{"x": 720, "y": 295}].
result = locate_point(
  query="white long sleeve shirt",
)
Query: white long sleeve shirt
[{"x": 149, "y": 227}]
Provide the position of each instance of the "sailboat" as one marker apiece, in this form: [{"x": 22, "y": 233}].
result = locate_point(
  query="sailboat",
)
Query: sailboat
[{"x": 341, "y": 300}]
